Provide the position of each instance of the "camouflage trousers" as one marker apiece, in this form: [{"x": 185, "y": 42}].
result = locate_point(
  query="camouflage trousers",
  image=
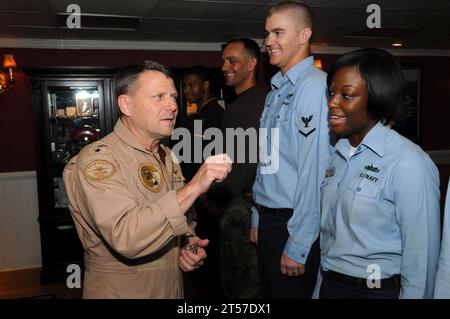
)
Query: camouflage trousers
[{"x": 238, "y": 256}]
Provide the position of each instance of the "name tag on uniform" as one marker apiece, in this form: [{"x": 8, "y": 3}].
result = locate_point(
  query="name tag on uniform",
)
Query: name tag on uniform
[{"x": 370, "y": 173}]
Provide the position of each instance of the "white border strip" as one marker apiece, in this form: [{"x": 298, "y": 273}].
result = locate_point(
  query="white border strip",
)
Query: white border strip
[
  {"x": 18, "y": 174},
  {"x": 178, "y": 46}
]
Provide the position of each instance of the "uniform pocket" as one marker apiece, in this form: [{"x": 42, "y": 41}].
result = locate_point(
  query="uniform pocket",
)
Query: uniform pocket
[
  {"x": 365, "y": 189},
  {"x": 367, "y": 184}
]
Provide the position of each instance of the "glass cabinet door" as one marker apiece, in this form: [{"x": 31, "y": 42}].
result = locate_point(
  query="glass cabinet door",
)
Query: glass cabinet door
[{"x": 75, "y": 120}]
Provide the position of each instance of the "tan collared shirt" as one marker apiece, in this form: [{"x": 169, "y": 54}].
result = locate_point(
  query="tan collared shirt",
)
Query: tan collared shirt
[{"x": 122, "y": 199}]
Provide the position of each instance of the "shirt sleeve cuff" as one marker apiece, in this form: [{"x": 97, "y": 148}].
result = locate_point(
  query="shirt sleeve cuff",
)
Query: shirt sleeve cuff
[
  {"x": 296, "y": 251},
  {"x": 255, "y": 217},
  {"x": 177, "y": 220}
]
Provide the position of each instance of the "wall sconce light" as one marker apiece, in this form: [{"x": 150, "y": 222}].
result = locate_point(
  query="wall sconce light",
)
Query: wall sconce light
[
  {"x": 7, "y": 80},
  {"x": 318, "y": 63}
]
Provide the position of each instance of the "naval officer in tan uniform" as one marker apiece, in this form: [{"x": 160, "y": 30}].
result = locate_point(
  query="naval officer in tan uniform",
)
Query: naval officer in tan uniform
[{"x": 128, "y": 199}]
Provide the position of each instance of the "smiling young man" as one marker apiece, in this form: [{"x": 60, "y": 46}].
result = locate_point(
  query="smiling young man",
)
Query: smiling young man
[
  {"x": 286, "y": 217},
  {"x": 128, "y": 199}
]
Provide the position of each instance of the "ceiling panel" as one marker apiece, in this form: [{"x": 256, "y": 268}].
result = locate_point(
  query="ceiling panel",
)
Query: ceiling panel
[
  {"x": 179, "y": 25},
  {"x": 23, "y": 5},
  {"x": 22, "y": 32},
  {"x": 255, "y": 29},
  {"x": 328, "y": 3},
  {"x": 220, "y": 20},
  {"x": 415, "y": 19},
  {"x": 340, "y": 16},
  {"x": 17, "y": 19},
  {"x": 201, "y": 10},
  {"x": 414, "y": 4},
  {"x": 113, "y": 7},
  {"x": 258, "y": 14},
  {"x": 231, "y": 2}
]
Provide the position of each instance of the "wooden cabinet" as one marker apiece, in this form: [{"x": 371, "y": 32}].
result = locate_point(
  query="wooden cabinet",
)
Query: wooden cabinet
[{"x": 71, "y": 109}]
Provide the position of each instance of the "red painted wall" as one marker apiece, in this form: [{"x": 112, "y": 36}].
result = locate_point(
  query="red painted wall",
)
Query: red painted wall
[{"x": 16, "y": 127}]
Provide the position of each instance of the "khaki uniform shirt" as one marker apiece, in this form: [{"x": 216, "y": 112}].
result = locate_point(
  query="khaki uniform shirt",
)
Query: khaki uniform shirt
[{"x": 122, "y": 199}]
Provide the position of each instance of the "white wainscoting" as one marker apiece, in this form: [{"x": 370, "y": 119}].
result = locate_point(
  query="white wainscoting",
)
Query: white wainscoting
[{"x": 20, "y": 244}]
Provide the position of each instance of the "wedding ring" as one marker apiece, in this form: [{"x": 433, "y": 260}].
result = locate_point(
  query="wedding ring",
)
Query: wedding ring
[{"x": 193, "y": 248}]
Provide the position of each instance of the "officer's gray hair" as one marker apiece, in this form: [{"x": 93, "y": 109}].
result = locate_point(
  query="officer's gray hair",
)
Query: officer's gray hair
[{"x": 127, "y": 76}]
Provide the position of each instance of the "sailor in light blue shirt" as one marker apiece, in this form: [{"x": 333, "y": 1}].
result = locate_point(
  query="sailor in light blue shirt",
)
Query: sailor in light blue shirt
[
  {"x": 294, "y": 154},
  {"x": 380, "y": 224},
  {"x": 297, "y": 107},
  {"x": 442, "y": 285},
  {"x": 380, "y": 212}
]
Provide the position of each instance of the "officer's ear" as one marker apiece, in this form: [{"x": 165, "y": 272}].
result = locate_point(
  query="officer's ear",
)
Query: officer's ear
[{"x": 124, "y": 102}]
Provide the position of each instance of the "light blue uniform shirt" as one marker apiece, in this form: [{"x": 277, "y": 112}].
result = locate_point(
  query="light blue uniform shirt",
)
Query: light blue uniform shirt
[
  {"x": 380, "y": 208},
  {"x": 442, "y": 286},
  {"x": 297, "y": 106}
]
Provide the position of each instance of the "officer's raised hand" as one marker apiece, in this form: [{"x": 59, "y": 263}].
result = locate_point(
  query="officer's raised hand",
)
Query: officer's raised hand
[{"x": 215, "y": 169}]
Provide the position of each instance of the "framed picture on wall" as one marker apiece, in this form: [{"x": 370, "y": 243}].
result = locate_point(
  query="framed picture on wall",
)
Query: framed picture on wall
[
  {"x": 84, "y": 105},
  {"x": 413, "y": 105}
]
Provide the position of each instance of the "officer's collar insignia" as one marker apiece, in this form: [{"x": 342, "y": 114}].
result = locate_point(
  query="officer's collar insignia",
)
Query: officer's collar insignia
[
  {"x": 372, "y": 168},
  {"x": 100, "y": 149},
  {"x": 306, "y": 120},
  {"x": 329, "y": 172},
  {"x": 151, "y": 177},
  {"x": 99, "y": 169}
]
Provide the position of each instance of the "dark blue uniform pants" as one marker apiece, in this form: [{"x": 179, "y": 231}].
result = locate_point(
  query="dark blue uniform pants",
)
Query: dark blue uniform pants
[
  {"x": 272, "y": 237},
  {"x": 332, "y": 289}
]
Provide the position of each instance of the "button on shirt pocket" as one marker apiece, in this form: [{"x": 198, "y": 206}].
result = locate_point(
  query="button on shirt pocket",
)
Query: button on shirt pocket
[
  {"x": 366, "y": 189},
  {"x": 367, "y": 184}
]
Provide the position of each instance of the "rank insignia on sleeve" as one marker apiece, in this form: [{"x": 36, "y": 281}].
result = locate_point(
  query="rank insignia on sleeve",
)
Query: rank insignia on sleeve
[
  {"x": 306, "y": 120},
  {"x": 309, "y": 130},
  {"x": 151, "y": 177},
  {"x": 99, "y": 169},
  {"x": 305, "y": 134}
]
